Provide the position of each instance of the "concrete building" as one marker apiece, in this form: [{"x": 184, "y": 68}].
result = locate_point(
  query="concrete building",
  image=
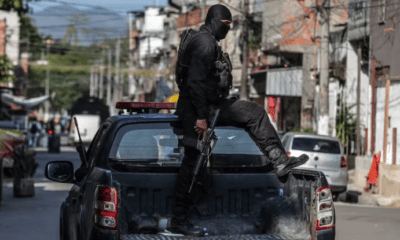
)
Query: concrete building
[
  {"x": 358, "y": 37},
  {"x": 385, "y": 50},
  {"x": 290, "y": 39},
  {"x": 9, "y": 35}
]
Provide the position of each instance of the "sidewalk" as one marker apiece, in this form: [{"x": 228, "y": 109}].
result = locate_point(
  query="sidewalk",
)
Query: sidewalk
[
  {"x": 62, "y": 149},
  {"x": 357, "y": 195}
]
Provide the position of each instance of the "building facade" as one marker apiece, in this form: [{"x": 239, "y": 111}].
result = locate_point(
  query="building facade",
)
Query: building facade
[{"x": 385, "y": 49}]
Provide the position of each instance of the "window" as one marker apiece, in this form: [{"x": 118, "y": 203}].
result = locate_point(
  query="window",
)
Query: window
[
  {"x": 159, "y": 144},
  {"x": 285, "y": 142},
  {"x": 316, "y": 145},
  {"x": 382, "y": 11}
]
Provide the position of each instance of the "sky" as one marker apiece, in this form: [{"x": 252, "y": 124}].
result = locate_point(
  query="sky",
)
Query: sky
[
  {"x": 119, "y": 6},
  {"x": 54, "y": 23}
]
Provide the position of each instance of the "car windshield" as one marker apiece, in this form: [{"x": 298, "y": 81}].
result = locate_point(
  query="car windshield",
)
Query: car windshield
[
  {"x": 161, "y": 144},
  {"x": 316, "y": 145}
]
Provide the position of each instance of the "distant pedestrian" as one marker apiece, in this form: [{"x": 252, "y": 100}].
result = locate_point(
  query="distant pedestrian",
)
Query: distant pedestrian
[{"x": 34, "y": 132}]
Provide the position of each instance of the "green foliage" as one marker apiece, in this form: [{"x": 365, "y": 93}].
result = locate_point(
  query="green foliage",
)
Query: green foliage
[
  {"x": 345, "y": 124},
  {"x": 4, "y": 132},
  {"x": 307, "y": 130},
  {"x": 254, "y": 42},
  {"x": 69, "y": 83},
  {"x": 16, "y": 5},
  {"x": 29, "y": 37},
  {"x": 6, "y": 70}
]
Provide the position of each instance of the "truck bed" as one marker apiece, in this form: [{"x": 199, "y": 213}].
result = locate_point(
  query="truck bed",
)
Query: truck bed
[{"x": 238, "y": 206}]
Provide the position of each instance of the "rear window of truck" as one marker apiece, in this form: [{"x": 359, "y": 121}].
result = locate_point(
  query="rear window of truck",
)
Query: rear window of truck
[
  {"x": 316, "y": 145},
  {"x": 160, "y": 143}
]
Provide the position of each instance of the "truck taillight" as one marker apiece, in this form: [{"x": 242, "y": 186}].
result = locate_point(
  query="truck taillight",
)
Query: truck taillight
[
  {"x": 106, "y": 207},
  {"x": 288, "y": 154},
  {"x": 325, "y": 209},
  {"x": 343, "y": 162}
]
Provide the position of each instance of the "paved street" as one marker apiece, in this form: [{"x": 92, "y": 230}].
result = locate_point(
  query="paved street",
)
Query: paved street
[
  {"x": 355, "y": 222},
  {"x": 37, "y": 218}
]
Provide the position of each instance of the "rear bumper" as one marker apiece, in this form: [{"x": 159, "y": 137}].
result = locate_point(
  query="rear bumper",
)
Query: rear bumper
[
  {"x": 218, "y": 237},
  {"x": 102, "y": 234},
  {"x": 338, "y": 189}
]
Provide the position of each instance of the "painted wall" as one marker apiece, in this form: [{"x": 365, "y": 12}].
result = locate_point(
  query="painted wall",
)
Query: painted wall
[
  {"x": 358, "y": 19},
  {"x": 385, "y": 35},
  {"x": 350, "y": 91},
  {"x": 394, "y": 114},
  {"x": 12, "y": 35}
]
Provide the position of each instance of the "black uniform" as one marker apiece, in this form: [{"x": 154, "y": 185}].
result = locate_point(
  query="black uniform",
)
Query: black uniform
[{"x": 200, "y": 93}]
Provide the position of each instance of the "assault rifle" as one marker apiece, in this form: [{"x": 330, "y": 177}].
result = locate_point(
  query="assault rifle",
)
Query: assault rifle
[
  {"x": 82, "y": 148},
  {"x": 206, "y": 147}
]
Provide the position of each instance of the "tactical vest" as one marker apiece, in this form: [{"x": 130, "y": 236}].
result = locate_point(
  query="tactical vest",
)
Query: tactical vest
[{"x": 223, "y": 66}]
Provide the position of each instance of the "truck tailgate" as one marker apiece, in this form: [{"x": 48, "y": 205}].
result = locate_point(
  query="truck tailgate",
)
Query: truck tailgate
[{"x": 239, "y": 206}]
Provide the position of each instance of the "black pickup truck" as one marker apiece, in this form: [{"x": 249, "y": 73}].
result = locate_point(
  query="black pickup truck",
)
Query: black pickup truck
[{"x": 127, "y": 191}]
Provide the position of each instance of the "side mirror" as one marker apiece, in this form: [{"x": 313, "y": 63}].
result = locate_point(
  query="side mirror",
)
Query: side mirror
[{"x": 60, "y": 171}]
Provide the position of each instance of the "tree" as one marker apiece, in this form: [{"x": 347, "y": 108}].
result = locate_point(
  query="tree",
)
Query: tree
[
  {"x": 345, "y": 124},
  {"x": 30, "y": 39},
  {"x": 16, "y": 5},
  {"x": 75, "y": 26},
  {"x": 6, "y": 70}
]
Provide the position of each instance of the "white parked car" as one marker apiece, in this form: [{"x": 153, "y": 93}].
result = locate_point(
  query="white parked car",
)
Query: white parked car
[
  {"x": 88, "y": 126},
  {"x": 326, "y": 155}
]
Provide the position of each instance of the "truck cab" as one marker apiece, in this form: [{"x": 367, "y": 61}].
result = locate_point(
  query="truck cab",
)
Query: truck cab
[{"x": 130, "y": 175}]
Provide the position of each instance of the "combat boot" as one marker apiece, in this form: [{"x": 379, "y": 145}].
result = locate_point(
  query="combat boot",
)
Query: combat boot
[
  {"x": 281, "y": 162},
  {"x": 180, "y": 224}
]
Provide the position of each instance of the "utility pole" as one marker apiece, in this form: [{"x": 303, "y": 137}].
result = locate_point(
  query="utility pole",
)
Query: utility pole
[
  {"x": 386, "y": 120},
  {"x": 91, "y": 90},
  {"x": 373, "y": 105},
  {"x": 116, "y": 83},
  {"x": 96, "y": 81},
  {"x": 101, "y": 90},
  {"x": 323, "y": 116},
  {"x": 358, "y": 130},
  {"x": 122, "y": 84},
  {"x": 109, "y": 70},
  {"x": 131, "y": 82},
  {"x": 101, "y": 83},
  {"x": 203, "y": 10},
  {"x": 243, "y": 88},
  {"x": 148, "y": 52},
  {"x": 47, "y": 104}
]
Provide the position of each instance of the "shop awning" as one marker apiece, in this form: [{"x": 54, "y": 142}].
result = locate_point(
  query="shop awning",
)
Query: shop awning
[
  {"x": 20, "y": 101},
  {"x": 284, "y": 82}
]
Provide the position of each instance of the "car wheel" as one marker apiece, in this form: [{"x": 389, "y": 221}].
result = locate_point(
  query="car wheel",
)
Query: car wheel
[{"x": 335, "y": 197}]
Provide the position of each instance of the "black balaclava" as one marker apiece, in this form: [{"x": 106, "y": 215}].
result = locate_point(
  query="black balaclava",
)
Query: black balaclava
[{"x": 215, "y": 14}]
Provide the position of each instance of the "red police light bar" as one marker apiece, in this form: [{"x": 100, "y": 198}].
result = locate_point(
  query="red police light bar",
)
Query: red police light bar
[{"x": 144, "y": 105}]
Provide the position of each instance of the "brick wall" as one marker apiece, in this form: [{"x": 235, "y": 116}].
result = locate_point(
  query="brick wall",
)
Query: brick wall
[{"x": 2, "y": 37}]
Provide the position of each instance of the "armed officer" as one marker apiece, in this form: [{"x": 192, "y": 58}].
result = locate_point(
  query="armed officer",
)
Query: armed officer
[{"x": 203, "y": 75}]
